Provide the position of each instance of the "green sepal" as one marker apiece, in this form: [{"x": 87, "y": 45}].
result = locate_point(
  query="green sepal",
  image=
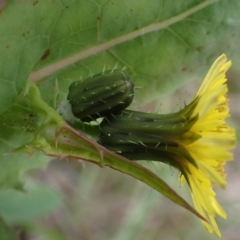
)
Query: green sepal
[
  {"x": 162, "y": 124},
  {"x": 153, "y": 137}
]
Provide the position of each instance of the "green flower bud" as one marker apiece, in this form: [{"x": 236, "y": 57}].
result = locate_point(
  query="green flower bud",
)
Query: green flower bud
[{"x": 101, "y": 95}]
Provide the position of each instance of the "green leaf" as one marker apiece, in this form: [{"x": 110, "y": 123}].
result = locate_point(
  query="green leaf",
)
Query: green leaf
[
  {"x": 162, "y": 44},
  {"x": 17, "y": 207},
  {"x": 14, "y": 165},
  {"x": 22, "y": 45},
  {"x": 7, "y": 233},
  {"x": 165, "y": 47}
]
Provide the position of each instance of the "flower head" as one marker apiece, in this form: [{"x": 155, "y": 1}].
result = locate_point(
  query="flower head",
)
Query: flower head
[
  {"x": 210, "y": 150},
  {"x": 196, "y": 140}
]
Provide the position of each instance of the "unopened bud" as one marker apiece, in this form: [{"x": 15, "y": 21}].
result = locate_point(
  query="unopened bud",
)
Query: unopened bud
[{"x": 101, "y": 95}]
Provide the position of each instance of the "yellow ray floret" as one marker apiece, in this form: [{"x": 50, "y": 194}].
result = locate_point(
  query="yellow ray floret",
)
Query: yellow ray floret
[{"x": 210, "y": 151}]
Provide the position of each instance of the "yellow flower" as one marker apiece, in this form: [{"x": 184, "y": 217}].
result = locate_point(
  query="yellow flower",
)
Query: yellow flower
[
  {"x": 196, "y": 140},
  {"x": 210, "y": 150}
]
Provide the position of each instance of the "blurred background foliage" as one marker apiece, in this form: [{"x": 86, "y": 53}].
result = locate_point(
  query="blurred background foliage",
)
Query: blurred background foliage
[{"x": 78, "y": 200}]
